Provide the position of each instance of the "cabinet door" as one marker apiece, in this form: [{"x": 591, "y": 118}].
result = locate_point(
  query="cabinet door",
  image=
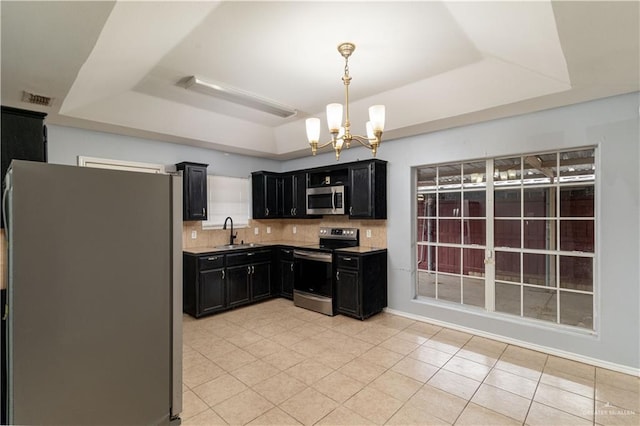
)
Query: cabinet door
[
  {"x": 24, "y": 137},
  {"x": 272, "y": 198},
  {"x": 196, "y": 202},
  {"x": 360, "y": 191},
  {"x": 347, "y": 292},
  {"x": 238, "y": 285},
  {"x": 287, "y": 275},
  {"x": 212, "y": 291},
  {"x": 260, "y": 280},
  {"x": 265, "y": 195},
  {"x": 300, "y": 194},
  {"x": 288, "y": 192}
]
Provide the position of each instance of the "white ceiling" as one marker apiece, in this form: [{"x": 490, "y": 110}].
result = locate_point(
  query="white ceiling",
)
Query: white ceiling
[{"x": 121, "y": 66}]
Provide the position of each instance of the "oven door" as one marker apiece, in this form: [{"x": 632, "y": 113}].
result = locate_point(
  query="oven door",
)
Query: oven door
[{"x": 315, "y": 272}]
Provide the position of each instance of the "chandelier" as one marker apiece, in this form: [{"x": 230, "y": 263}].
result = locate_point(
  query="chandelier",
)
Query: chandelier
[{"x": 341, "y": 133}]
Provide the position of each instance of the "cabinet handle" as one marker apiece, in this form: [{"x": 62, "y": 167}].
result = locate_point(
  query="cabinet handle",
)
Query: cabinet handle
[
  {"x": 250, "y": 254},
  {"x": 338, "y": 276},
  {"x": 292, "y": 267},
  {"x": 351, "y": 210},
  {"x": 212, "y": 258},
  {"x": 249, "y": 270},
  {"x": 266, "y": 211},
  {"x": 291, "y": 212},
  {"x": 286, "y": 251},
  {"x": 295, "y": 211},
  {"x": 223, "y": 274},
  {"x": 253, "y": 269},
  {"x": 348, "y": 259},
  {"x": 203, "y": 213}
]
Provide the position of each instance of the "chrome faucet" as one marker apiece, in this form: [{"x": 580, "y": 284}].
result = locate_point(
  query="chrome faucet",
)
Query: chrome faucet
[{"x": 231, "y": 236}]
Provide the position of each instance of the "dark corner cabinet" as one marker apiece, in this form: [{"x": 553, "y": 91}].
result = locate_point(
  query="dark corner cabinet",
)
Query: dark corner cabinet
[
  {"x": 24, "y": 137},
  {"x": 361, "y": 283},
  {"x": 279, "y": 195},
  {"x": 218, "y": 281},
  {"x": 194, "y": 183},
  {"x": 284, "y": 195}
]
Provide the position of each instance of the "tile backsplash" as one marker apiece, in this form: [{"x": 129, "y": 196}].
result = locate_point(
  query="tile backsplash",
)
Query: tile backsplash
[{"x": 306, "y": 231}]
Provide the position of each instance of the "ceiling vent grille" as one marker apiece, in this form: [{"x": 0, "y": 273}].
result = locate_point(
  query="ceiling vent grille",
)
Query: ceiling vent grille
[{"x": 32, "y": 98}]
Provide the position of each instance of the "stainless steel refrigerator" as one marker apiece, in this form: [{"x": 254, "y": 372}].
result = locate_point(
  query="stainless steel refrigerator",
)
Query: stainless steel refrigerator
[{"x": 94, "y": 320}]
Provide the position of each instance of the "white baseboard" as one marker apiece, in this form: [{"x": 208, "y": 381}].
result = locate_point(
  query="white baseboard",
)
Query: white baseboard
[{"x": 551, "y": 351}]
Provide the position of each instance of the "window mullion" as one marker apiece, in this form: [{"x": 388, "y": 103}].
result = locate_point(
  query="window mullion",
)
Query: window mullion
[{"x": 489, "y": 262}]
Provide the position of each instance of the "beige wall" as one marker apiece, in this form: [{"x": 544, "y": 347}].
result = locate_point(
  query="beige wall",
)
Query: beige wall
[{"x": 282, "y": 230}]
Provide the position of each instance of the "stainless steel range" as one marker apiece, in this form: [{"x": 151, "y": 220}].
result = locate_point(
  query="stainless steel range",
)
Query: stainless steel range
[{"x": 313, "y": 284}]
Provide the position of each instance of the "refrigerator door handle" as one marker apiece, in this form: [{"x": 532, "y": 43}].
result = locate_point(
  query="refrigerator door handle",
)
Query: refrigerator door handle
[{"x": 176, "y": 332}]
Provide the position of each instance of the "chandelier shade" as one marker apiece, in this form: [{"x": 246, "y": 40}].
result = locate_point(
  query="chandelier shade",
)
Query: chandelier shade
[{"x": 341, "y": 131}]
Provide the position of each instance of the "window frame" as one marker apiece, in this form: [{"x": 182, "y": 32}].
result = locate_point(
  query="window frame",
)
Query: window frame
[{"x": 491, "y": 249}]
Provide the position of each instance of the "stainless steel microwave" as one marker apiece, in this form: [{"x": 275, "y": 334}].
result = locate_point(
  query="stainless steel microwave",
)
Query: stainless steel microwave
[{"x": 326, "y": 200}]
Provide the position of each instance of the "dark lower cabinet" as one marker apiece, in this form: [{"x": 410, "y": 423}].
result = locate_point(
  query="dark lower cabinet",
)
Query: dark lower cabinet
[
  {"x": 361, "y": 283},
  {"x": 238, "y": 285},
  {"x": 203, "y": 284},
  {"x": 260, "y": 280},
  {"x": 287, "y": 267},
  {"x": 214, "y": 282},
  {"x": 212, "y": 291},
  {"x": 347, "y": 292}
]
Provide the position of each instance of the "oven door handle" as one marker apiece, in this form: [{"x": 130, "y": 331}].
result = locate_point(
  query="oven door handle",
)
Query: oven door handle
[{"x": 311, "y": 255}]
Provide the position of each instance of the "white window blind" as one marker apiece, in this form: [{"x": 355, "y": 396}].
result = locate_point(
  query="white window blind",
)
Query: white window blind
[{"x": 227, "y": 196}]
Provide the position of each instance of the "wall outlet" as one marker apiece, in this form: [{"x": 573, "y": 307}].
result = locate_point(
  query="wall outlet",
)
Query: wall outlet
[
  {"x": 295, "y": 229},
  {"x": 194, "y": 235},
  {"x": 268, "y": 229},
  {"x": 368, "y": 233},
  {"x": 256, "y": 230}
]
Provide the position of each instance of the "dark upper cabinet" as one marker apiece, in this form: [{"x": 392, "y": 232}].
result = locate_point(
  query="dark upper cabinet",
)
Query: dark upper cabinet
[
  {"x": 194, "y": 181},
  {"x": 24, "y": 137},
  {"x": 368, "y": 190},
  {"x": 294, "y": 194},
  {"x": 265, "y": 193}
]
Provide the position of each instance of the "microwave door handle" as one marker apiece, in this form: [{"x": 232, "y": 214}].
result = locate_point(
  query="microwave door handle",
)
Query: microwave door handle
[{"x": 333, "y": 199}]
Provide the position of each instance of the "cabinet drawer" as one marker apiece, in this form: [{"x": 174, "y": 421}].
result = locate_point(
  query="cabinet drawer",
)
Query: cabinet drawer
[
  {"x": 286, "y": 253},
  {"x": 246, "y": 257},
  {"x": 211, "y": 262},
  {"x": 351, "y": 262}
]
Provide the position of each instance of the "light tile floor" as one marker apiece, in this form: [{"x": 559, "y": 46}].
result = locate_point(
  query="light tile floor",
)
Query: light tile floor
[{"x": 276, "y": 364}]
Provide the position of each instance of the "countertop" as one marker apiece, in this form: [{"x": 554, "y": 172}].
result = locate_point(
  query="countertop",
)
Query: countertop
[
  {"x": 207, "y": 250},
  {"x": 361, "y": 250}
]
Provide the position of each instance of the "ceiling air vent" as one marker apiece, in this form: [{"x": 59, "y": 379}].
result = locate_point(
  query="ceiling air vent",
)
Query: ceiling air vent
[{"x": 32, "y": 98}]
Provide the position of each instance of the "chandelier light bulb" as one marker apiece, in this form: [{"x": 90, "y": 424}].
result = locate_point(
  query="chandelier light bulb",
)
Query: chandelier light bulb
[
  {"x": 376, "y": 116},
  {"x": 334, "y": 117},
  {"x": 313, "y": 129},
  {"x": 370, "y": 134}
]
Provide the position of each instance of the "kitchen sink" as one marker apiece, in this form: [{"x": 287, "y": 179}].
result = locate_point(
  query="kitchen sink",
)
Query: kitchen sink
[{"x": 237, "y": 246}]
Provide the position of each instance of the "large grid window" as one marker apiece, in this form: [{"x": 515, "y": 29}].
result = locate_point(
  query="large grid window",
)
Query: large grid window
[{"x": 512, "y": 235}]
